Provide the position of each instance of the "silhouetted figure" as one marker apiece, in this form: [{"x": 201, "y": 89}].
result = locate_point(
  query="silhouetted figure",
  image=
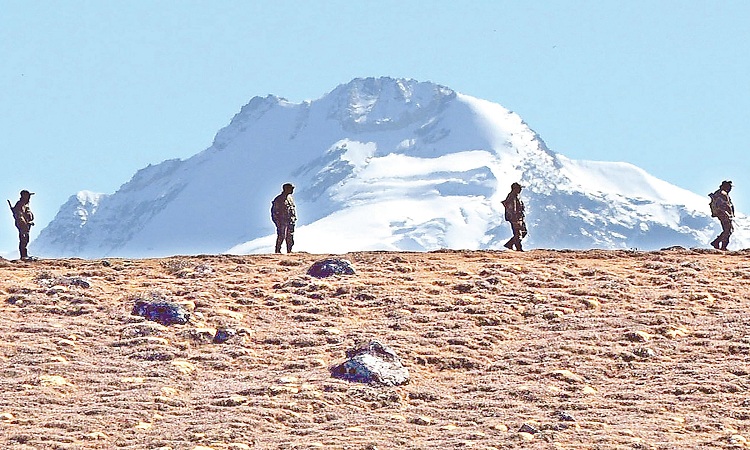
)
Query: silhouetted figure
[
  {"x": 24, "y": 221},
  {"x": 284, "y": 216},
  {"x": 514, "y": 213},
  {"x": 722, "y": 209}
]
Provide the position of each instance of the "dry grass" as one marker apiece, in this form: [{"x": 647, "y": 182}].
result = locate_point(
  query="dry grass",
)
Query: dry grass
[{"x": 595, "y": 350}]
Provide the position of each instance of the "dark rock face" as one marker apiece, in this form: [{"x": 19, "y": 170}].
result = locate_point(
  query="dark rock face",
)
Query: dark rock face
[
  {"x": 164, "y": 313},
  {"x": 372, "y": 363},
  {"x": 331, "y": 266}
]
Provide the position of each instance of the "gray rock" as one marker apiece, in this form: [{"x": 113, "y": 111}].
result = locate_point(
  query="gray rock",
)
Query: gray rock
[
  {"x": 526, "y": 428},
  {"x": 331, "y": 266},
  {"x": 565, "y": 416},
  {"x": 372, "y": 363},
  {"x": 162, "y": 312},
  {"x": 224, "y": 334}
]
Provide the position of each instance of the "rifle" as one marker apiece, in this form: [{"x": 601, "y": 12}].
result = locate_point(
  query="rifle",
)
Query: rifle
[{"x": 13, "y": 211}]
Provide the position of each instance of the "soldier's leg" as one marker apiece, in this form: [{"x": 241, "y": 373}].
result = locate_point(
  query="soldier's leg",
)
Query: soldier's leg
[
  {"x": 280, "y": 234},
  {"x": 289, "y": 237},
  {"x": 512, "y": 241},
  {"x": 518, "y": 234},
  {"x": 23, "y": 241},
  {"x": 726, "y": 231},
  {"x": 515, "y": 241},
  {"x": 715, "y": 243}
]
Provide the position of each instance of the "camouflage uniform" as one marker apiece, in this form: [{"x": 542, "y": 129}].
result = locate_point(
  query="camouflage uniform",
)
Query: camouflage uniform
[
  {"x": 514, "y": 213},
  {"x": 24, "y": 221},
  {"x": 284, "y": 216},
  {"x": 725, "y": 214}
]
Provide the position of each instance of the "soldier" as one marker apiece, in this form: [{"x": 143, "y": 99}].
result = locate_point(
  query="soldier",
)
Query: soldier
[
  {"x": 284, "y": 216},
  {"x": 722, "y": 209},
  {"x": 24, "y": 221},
  {"x": 514, "y": 213}
]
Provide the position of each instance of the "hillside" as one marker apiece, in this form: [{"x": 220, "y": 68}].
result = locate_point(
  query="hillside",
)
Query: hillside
[{"x": 545, "y": 349}]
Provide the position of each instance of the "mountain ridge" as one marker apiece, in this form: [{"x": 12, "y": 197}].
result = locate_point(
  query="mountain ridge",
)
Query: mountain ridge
[{"x": 379, "y": 163}]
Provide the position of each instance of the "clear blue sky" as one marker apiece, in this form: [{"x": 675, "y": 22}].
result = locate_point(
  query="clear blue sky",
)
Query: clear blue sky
[{"x": 91, "y": 91}]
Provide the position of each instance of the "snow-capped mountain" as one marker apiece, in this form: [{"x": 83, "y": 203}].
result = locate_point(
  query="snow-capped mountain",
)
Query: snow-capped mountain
[{"x": 389, "y": 164}]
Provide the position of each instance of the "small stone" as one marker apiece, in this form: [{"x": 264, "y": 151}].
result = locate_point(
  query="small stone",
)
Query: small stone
[
  {"x": 53, "y": 380},
  {"x": 638, "y": 336},
  {"x": 588, "y": 390},
  {"x": 526, "y": 436},
  {"x": 80, "y": 282},
  {"x": 591, "y": 303},
  {"x": 677, "y": 332},
  {"x": 644, "y": 352},
  {"x": 526, "y": 428},
  {"x": 204, "y": 334},
  {"x": 567, "y": 376},
  {"x": 500, "y": 427},
  {"x": 169, "y": 391},
  {"x": 134, "y": 380},
  {"x": 173, "y": 402},
  {"x": 143, "y": 426},
  {"x": 564, "y": 416},
  {"x": 6, "y": 416},
  {"x": 738, "y": 439},
  {"x": 422, "y": 420},
  {"x": 235, "y": 400},
  {"x": 185, "y": 367},
  {"x": 238, "y": 446},
  {"x": 96, "y": 436},
  {"x": 223, "y": 335},
  {"x": 553, "y": 315}
]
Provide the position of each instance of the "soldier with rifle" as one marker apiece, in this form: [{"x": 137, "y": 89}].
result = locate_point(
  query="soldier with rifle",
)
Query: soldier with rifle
[
  {"x": 284, "y": 216},
  {"x": 24, "y": 221}
]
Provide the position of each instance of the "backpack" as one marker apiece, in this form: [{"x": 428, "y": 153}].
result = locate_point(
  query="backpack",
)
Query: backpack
[
  {"x": 508, "y": 214},
  {"x": 714, "y": 204}
]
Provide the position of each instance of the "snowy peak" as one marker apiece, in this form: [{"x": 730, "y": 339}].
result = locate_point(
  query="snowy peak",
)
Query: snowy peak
[
  {"x": 370, "y": 104},
  {"x": 379, "y": 163}
]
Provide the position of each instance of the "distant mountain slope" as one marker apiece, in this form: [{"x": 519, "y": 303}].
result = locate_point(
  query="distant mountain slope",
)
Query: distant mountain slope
[{"x": 378, "y": 164}]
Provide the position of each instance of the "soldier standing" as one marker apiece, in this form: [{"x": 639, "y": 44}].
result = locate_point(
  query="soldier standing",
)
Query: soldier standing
[
  {"x": 284, "y": 216},
  {"x": 24, "y": 221},
  {"x": 514, "y": 213},
  {"x": 723, "y": 209}
]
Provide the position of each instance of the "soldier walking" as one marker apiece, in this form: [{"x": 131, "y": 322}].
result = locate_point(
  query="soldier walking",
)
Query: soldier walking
[
  {"x": 723, "y": 209},
  {"x": 284, "y": 216},
  {"x": 514, "y": 213},
  {"x": 24, "y": 221}
]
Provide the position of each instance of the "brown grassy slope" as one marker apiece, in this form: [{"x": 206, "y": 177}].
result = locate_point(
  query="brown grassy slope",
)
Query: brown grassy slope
[{"x": 641, "y": 350}]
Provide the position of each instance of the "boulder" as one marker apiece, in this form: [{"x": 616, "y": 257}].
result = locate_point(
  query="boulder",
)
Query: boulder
[
  {"x": 162, "y": 312},
  {"x": 372, "y": 363},
  {"x": 331, "y": 266}
]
